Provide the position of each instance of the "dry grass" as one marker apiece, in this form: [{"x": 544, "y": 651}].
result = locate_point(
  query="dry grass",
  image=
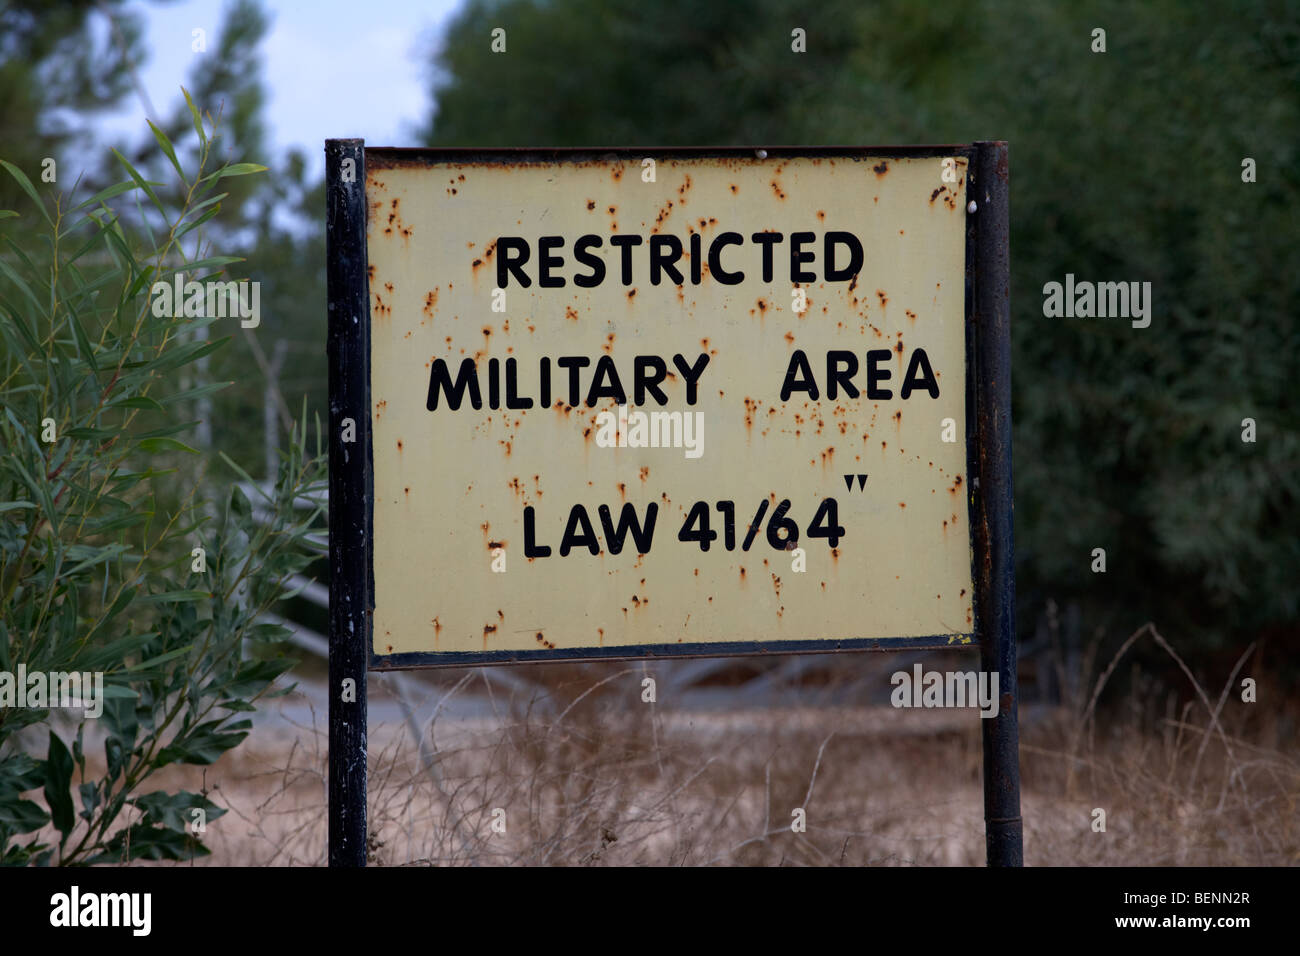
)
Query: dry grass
[
  {"x": 604, "y": 779},
  {"x": 1186, "y": 779}
]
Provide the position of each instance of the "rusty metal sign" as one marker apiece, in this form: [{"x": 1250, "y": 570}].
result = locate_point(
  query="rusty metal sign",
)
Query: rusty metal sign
[
  {"x": 696, "y": 404},
  {"x": 618, "y": 404}
]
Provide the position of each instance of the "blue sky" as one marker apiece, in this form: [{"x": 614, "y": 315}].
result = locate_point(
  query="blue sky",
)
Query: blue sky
[{"x": 331, "y": 68}]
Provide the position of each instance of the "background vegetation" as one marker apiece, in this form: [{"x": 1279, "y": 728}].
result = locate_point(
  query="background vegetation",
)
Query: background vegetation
[
  {"x": 1126, "y": 166},
  {"x": 117, "y": 556}
]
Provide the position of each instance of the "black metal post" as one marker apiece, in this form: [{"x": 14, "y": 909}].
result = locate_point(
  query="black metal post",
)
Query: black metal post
[
  {"x": 350, "y": 518},
  {"x": 996, "y": 565}
]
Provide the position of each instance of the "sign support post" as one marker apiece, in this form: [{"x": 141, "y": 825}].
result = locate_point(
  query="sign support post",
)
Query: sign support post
[
  {"x": 993, "y": 517},
  {"x": 350, "y": 496}
]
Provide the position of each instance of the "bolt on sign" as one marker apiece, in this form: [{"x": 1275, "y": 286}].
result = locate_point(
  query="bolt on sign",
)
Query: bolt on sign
[
  {"x": 618, "y": 404},
  {"x": 695, "y": 406}
]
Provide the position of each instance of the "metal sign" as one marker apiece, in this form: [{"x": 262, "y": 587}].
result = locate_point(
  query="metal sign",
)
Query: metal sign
[
  {"x": 672, "y": 402},
  {"x": 698, "y": 410}
]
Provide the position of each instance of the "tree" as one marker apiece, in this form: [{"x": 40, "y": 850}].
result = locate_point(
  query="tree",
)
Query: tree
[
  {"x": 1126, "y": 165},
  {"x": 117, "y": 557},
  {"x": 53, "y": 70}
]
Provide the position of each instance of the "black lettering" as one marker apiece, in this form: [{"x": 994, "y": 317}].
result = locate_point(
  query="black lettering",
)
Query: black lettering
[
  {"x": 578, "y": 516},
  {"x": 768, "y": 241},
  {"x": 919, "y": 375},
  {"x": 595, "y": 263},
  {"x": 875, "y": 373},
  {"x": 440, "y": 381},
  {"x": 837, "y": 377},
  {"x": 805, "y": 382},
  {"x": 573, "y": 363},
  {"x": 691, "y": 373},
  {"x": 627, "y": 521},
  {"x": 797, "y": 255},
  {"x": 512, "y": 385},
  {"x": 715, "y": 258},
  {"x": 664, "y": 251},
  {"x": 605, "y": 369},
  {"x": 624, "y": 244},
  {"x": 855, "y": 256},
  {"x": 643, "y": 382},
  {"x": 546, "y": 262},
  {"x": 532, "y": 550},
  {"x": 509, "y": 264}
]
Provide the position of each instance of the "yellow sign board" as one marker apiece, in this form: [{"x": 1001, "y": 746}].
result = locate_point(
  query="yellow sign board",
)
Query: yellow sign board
[{"x": 688, "y": 403}]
